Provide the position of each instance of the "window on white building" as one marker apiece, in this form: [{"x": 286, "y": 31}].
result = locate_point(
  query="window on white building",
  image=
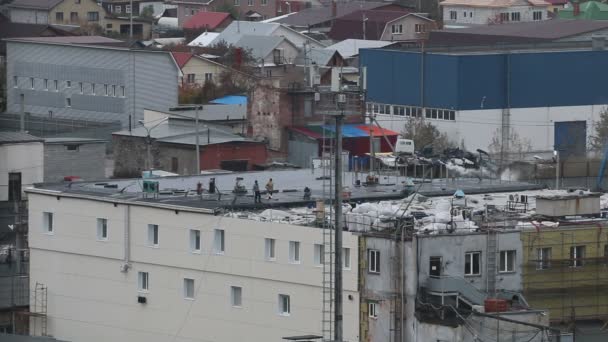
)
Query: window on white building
[
  {"x": 68, "y": 102},
  {"x": 32, "y": 82},
  {"x": 537, "y": 15},
  {"x": 294, "y": 252},
  {"x": 504, "y": 17},
  {"x": 319, "y": 254},
  {"x": 127, "y": 8},
  {"x": 453, "y": 15},
  {"x": 47, "y": 222},
  {"x": 269, "y": 247},
  {"x": 102, "y": 229},
  {"x": 56, "y": 83},
  {"x": 577, "y": 255},
  {"x": 208, "y": 77},
  {"x": 105, "y": 89},
  {"x": 507, "y": 261},
  {"x": 93, "y": 88},
  {"x": 236, "y": 296},
  {"x": 81, "y": 86},
  {"x": 68, "y": 84},
  {"x": 464, "y": 14},
  {"x": 421, "y": 28},
  {"x": 284, "y": 305},
  {"x": 15, "y": 81},
  {"x": 190, "y": 78},
  {"x": 122, "y": 91},
  {"x": 472, "y": 263},
  {"x": 143, "y": 281},
  {"x": 45, "y": 84},
  {"x": 372, "y": 309},
  {"x": 152, "y": 235},
  {"x": 195, "y": 241},
  {"x": 219, "y": 241},
  {"x": 515, "y": 16},
  {"x": 346, "y": 258},
  {"x": 264, "y": 2},
  {"x": 188, "y": 288},
  {"x": 237, "y": 2},
  {"x": 543, "y": 258},
  {"x": 396, "y": 28},
  {"x": 118, "y": 9},
  {"x": 373, "y": 260},
  {"x": 113, "y": 90}
]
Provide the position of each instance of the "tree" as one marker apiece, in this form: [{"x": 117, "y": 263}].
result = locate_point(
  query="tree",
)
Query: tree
[
  {"x": 516, "y": 145},
  {"x": 424, "y": 133},
  {"x": 147, "y": 12},
  {"x": 228, "y": 8},
  {"x": 599, "y": 139}
]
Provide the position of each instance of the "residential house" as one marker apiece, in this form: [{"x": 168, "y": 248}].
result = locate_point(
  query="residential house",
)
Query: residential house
[
  {"x": 371, "y": 25},
  {"x": 589, "y": 10},
  {"x": 410, "y": 27},
  {"x": 320, "y": 57},
  {"x": 555, "y": 30},
  {"x": 349, "y": 48},
  {"x": 237, "y": 29},
  {"x": 271, "y": 53},
  {"x": 85, "y": 13},
  {"x": 485, "y": 12},
  {"x": 173, "y": 148},
  {"x": 89, "y": 78},
  {"x": 83, "y": 158},
  {"x": 197, "y": 70},
  {"x": 122, "y": 8},
  {"x": 121, "y": 26},
  {"x": 207, "y": 21}
]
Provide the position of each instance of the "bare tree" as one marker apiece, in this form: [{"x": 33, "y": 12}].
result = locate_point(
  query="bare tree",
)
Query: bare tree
[
  {"x": 598, "y": 140},
  {"x": 517, "y": 146},
  {"x": 424, "y": 133}
]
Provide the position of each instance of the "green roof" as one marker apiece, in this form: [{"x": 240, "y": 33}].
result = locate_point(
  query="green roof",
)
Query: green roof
[{"x": 590, "y": 10}]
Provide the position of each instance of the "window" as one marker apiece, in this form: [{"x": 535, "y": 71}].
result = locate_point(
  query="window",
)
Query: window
[
  {"x": 122, "y": 91},
  {"x": 515, "y": 16},
  {"x": 74, "y": 17},
  {"x": 270, "y": 249},
  {"x": 152, "y": 235},
  {"x": 32, "y": 82},
  {"x": 264, "y": 2},
  {"x": 68, "y": 102},
  {"x": 127, "y": 8},
  {"x": 372, "y": 309},
  {"x": 59, "y": 17},
  {"x": 346, "y": 258},
  {"x": 249, "y": 2},
  {"x": 188, "y": 288},
  {"x": 420, "y": 28},
  {"x": 537, "y": 15},
  {"x": 108, "y": 26},
  {"x": 507, "y": 261},
  {"x": 14, "y": 186},
  {"x": 464, "y": 14},
  {"x": 543, "y": 257},
  {"x": 93, "y": 16},
  {"x": 236, "y": 296},
  {"x": 195, "y": 241},
  {"x": 319, "y": 254},
  {"x": 72, "y": 147},
  {"x": 143, "y": 281},
  {"x": 190, "y": 78},
  {"x": 504, "y": 16},
  {"x": 237, "y": 2},
  {"x": 102, "y": 229},
  {"x": 45, "y": 84},
  {"x": 396, "y": 29},
  {"x": 93, "y": 88},
  {"x": 472, "y": 263},
  {"x": 114, "y": 90},
  {"x": 218, "y": 241},
  {"x": 105, "y": 89},
  {"x": 268, "y": 73},
  {"x": 15, "y": 81},
  {"x": 208, "y": 77},
  {"x": 453, "y": 15},
  {"x": 373, "y": 260},
  {"x": 77, "y": 1},
  {"x": 294, "y": 252},
  {"x": 47, "y": 222},
  {"x": 81, "y": 86},
  {"x": 118, "y": 9},
  {"x": 577, "y": 254},
  {"x": 284, "y": 305}
]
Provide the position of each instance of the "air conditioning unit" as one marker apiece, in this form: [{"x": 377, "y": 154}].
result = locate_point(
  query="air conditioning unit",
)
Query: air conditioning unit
[{"x": 142, "y": 300}]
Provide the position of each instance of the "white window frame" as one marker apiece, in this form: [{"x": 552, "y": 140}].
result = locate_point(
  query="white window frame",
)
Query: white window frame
[
  {"x": 127, "y": 9},
  {"x": 81, "y": 85},
  {"x": 32, "y": 83},
  {"x": 118, "y": 9},
  {"x": 45, "y": 84},
  {"x": 284, "y": 305},
  {"x": 236, "y": 296},
  {"x": 68, "y": 84},
  {"x": 48, "y": 223},
  {"x": 469, "y": 255},
  {"x": 56, "y": 83},
  {"x": 15, "y": 81},
  {"x": 194, "y": 237},
  {"x": 295, "y": 252},
  {"x": 504, "y": 261},
  {"x": 219, "y": 241},
  {"x": 543, "y": 256},
  {"x": 537, "y": 15},
  {"x": 249, "y": 2},
  {"x": 208, "y": 77},
  {"x": 372, "y": 310},
  {"x": 577, "y": 260},
  {"x": 319, "y": 254},
  {"x": 190, "y": 78},
  {"x": 373, "y": 261},
  {"x": 93, "y": 88},
  {"x": 189, "y": 289},
  {"x": 453, "y": 15},
  {"x": 68, "y": 102},
  {"x": 264, "y": 2},
  {"x": 105, "y": 89},
  {"x": 237, "y": 2},
  {"x": 152, "y": 237},
  {"x": 113, "y": 90},
  {"x": 143, "y": 281},
  {"x": 122, "y": 91},
  {"x": 102, "y": 229},
  {"x": 270, "y": 249},
  {"x": 346, "y": 258}
]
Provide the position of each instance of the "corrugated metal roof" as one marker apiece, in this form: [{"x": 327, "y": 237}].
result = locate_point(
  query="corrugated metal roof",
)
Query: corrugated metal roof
[
  {"x": 237, "y": 29},
  {"x": 351, "y": 25},
  {"x": 181, "y": 58},
  {"x": 41, "y": 4},
  {"x": 319, "y": 15},
  {"x": 17, "y": 137},
  {"x": 493, "y": 3},
  {"x": 350, "y": 47},
  {"x": 204, "y": 39}
]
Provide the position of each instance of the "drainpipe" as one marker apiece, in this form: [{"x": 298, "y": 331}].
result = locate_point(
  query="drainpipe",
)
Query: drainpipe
[{"x": 127, "y": 241}]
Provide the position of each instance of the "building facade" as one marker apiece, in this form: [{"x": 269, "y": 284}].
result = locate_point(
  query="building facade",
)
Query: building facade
[
  {"x": 79, "y": 157},
  {"x": 484, "y": 12},
  {"x": 85, "y": 13},
  {"x": 410, "y": 27},
  {"x": 56, "y": 78},
  {"x": 152, "y": 272}
]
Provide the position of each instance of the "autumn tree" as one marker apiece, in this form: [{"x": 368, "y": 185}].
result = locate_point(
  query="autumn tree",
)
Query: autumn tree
[{"x": 424, "y": 134}]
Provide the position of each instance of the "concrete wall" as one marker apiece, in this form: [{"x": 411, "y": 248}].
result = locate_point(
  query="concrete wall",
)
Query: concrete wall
[
  {"x": 149, "y": 78},
  {"x": 26, "y": 158},
  {"x": 90, "y": 299},
  {"x": 29, "y": 16},
  {"x": 87, "y": 161}
]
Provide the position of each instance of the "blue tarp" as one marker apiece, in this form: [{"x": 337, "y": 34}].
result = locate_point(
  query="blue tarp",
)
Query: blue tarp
[
  {"x": 231, "y": 99},
  {"x": 348, "y": 130}
]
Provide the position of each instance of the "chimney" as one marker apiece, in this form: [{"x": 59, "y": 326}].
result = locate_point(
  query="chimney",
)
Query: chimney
[
  {"x": 577, "y": 8},
  {"x": 334, "y": 9},
  {"x": 598, "y": 42}
]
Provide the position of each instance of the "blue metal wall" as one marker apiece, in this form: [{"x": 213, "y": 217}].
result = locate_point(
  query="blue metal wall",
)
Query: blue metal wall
[{"x": 476, "y": 81}]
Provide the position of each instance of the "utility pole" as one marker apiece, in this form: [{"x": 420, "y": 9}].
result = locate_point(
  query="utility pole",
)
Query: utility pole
[
  {"x": 198, "y": 152},
  {"x": 338, "y": 316},
  {"x": 131, "y": 21}
]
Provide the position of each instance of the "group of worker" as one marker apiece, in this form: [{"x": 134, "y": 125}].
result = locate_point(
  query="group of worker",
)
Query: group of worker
[{"x": 257, "y": 196}]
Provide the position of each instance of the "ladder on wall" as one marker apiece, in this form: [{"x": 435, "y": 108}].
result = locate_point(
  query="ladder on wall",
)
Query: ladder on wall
[
  {"x": 491, "y": 251},
  {"x": 327, "y": 228}
]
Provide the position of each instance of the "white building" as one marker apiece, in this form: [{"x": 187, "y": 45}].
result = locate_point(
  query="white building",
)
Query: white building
[
  {"x": 21, "y": 163},
  {"x": 483, "y": 12},
  {"x": 101, "y": 252}
]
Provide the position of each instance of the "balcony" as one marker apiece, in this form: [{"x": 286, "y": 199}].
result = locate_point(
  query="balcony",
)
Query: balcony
[{"x": 449, "y": 286}]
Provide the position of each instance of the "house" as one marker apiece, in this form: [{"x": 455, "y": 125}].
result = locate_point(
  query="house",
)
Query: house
[
  {"x": 589, "y": 10},
  {"x": 122, "y": 8},
  {"x": 237, "y": 29},
  {"x": 85, "y": 13},
  {"x": 372, "y": 25},
  {"x": 410, "y": 27},
  {"x": 121, "y": 26},
  {"x": 231, "y": 116},
  {"x": 349, "y": 49},
  {"x": 196, "y": 70},
  {"x": 470, "y": 91},
  {"x": 74, "y": 157},
  {"x": 321, "y": 57},
  {"x": 207, "y": 21},
  {"x": 555, "y": 30},
  {"x": 270, "y": 51},
  {"x": 89, "y": 78},
  {"x": 173, "y": 144},
  {"x": 485, "y": 12},
  {"x": 9, "y": 29}
]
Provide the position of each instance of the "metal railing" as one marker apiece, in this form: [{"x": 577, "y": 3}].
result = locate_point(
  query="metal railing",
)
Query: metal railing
[{"x": 451, "y": 284}]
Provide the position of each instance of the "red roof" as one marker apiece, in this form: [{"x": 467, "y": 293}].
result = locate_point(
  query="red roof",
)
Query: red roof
[
  {"x": 209, "y": 20},
  {"x": 181, "y": 58}
]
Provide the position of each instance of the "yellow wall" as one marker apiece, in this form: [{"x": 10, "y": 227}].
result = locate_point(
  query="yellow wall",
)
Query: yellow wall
[
  {"x": 567, "y": 292},
  {"x": 82, "y": 8}
]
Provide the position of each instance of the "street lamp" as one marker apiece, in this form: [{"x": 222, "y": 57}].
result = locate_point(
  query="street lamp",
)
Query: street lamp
[{"x": 149, "y": 142}]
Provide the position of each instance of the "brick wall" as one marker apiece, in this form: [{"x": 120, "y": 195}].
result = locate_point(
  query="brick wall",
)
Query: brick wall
[{"x": 213, "y": 155}]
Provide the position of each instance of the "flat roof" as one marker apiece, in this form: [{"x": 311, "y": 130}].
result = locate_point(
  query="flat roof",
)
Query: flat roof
[
  {"x": 17, "y": 137},
  {"x": 70, "y": 140}
]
